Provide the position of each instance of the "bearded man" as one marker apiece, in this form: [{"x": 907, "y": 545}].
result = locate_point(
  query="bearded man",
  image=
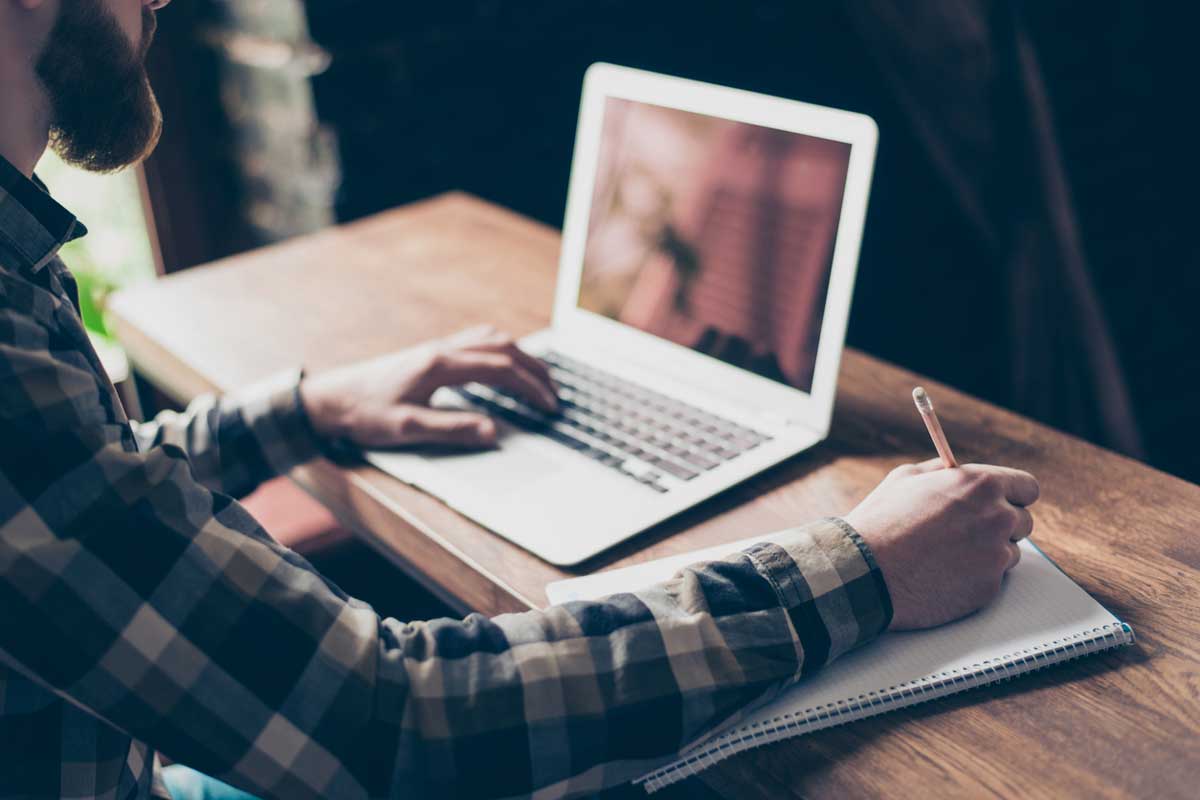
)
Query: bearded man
[{"x": 142, "y": 610}]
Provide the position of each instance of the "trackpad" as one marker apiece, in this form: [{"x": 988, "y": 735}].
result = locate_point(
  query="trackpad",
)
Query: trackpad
[
  {"x": 540, "y": 495},
  {"x": 519, "y": 461}
]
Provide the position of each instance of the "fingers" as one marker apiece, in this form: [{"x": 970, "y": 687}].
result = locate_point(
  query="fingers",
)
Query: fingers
[
  {"x": 1024, "y": 524},
  {"x": 502, "y": 343},
  {"x": 411, "y": 425},
  {"x": 494, "y": 369},
  {"x": 929, "y": 465},
  {"x": 485, "y": 338},
  {"x": 910, "y": 470},
  {"x": 1020, "y": 488},
  {"x": 1014, "y": 555},
  {"x": 535, "y": 383}
]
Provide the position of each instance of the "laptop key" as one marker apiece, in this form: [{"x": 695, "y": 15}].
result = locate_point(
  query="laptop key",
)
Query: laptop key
[
  {"x": 699, "y": 461},
  {"x": 679, "y": 471},
  {"x": 672, "y": 468},
  {"x": 570, "y": 441}
]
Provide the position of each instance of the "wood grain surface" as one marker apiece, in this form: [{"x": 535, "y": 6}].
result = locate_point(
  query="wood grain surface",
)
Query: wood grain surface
[{"x": 1121, "y": 724}]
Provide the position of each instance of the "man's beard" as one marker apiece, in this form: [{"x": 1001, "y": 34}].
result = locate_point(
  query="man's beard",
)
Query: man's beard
[{"x": 103, "y": 112}]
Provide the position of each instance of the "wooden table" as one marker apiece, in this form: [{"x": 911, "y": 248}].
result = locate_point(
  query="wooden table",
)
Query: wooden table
[{"x": 1122, "y": 724}]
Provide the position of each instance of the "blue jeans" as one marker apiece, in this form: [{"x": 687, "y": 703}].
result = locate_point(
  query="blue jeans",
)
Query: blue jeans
[{"x": 185, "y": 783}]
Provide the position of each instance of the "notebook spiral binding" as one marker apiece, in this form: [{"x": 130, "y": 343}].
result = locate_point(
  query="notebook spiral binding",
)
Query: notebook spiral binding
[{"x": 909, "y": 693}]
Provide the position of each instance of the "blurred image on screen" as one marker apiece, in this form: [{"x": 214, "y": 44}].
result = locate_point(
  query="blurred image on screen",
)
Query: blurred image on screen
[{"x": 716, "y": 235}]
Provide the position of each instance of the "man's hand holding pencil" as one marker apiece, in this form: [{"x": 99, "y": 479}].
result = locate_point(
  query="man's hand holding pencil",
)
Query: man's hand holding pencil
[{"x": 944, "y": 535}]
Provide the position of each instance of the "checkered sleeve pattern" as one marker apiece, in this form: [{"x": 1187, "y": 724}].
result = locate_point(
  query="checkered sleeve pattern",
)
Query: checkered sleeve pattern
[
  {"x": 161, "y": 608},
  {"x": 236, "y": 442},
  {"x": 142, "y": 611},
  {"x": 569, "y": 701}
]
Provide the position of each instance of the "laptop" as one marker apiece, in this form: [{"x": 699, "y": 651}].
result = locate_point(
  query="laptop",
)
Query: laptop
[{"x": 708, "y": 258}]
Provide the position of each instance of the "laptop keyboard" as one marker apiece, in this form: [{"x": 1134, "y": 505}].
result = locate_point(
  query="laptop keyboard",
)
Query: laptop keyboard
[{"x": 622, "y": 425}]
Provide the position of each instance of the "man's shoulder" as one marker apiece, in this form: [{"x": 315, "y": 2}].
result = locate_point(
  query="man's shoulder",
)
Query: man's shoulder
[{"x": 23, "y": 299}]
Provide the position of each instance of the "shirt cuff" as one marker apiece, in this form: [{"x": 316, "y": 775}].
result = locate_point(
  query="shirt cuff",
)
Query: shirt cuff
[
  {"x": 274, "y": 413},
  {"x": 828, "y": 581}
]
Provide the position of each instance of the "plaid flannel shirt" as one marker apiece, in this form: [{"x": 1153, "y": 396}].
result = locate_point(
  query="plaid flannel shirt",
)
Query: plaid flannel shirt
[{"x": 142, "y": 609}]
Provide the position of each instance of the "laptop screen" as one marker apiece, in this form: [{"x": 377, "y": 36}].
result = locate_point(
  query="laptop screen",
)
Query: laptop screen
[{"x": 714, "y": 234}]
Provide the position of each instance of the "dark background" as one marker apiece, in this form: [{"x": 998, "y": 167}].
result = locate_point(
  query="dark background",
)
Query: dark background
[{"x": 419, "y": 98}]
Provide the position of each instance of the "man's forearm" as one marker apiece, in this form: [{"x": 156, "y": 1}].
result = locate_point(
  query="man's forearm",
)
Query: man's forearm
[
  {"x": 236, "y": 442},
  {"x": 592, "y": 694}
]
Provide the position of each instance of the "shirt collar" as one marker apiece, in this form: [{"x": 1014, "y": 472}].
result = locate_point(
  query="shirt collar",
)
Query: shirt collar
[{"x": 33, "y": 226}]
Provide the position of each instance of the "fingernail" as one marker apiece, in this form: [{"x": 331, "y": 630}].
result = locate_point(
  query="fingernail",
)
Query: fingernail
[{"x": 486, "y": 429}]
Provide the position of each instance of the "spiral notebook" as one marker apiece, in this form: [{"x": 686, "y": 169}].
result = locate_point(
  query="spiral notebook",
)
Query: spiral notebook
[{"x": 1040, "y": 618}]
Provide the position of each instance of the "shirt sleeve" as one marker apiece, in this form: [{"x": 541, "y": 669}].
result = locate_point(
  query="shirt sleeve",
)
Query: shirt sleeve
[
  {"x": 160, "y": 606},
  {"x": 238, "y": 441}
]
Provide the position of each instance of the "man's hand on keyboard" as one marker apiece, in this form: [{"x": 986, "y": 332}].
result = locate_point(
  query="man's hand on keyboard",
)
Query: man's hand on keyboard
[
  {"x": 384, "y": 402},
  {"x": 944, "y": 538}
]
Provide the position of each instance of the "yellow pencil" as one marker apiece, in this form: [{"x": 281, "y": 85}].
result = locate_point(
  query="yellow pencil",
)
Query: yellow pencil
[{"x": 925, "y": 406}]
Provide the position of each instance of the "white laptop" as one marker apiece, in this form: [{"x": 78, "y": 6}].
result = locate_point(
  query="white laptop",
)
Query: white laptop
[{"x": 709, "y": 250}]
